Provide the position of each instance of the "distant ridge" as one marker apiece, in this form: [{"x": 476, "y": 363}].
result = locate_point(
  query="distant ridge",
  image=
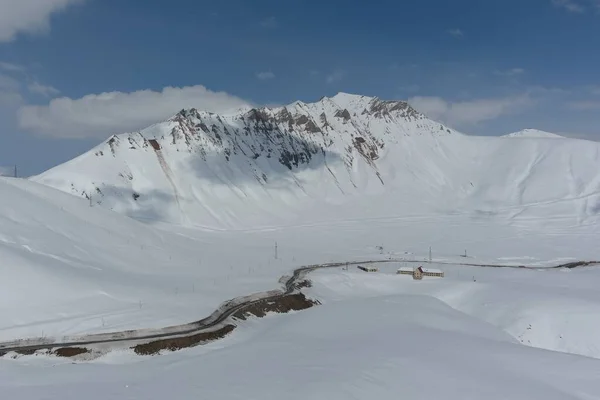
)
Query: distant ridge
[{"x": 534, "y": 133}]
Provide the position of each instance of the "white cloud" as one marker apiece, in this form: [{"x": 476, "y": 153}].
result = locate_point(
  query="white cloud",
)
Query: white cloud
[
  {"x": 455, "y": 32},
  {"x": 336, "y": 76},
  {"x": 99, "y": 115},
  {"x": 464, "y": 113},
  {"x": 265, "y": 76},
  {"x": 29, "y": 16},
  {"x": 44, "y": 90}
]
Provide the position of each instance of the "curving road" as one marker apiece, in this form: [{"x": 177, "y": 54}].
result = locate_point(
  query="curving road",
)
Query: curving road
[{"x": 218, "y": 317}]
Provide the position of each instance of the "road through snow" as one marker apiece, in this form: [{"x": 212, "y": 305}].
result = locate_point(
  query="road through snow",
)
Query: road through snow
[{"x": 219, "y": 316}]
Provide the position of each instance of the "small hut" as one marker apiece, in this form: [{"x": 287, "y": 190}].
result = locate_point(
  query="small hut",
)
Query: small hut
[{"x": 406, "y": 271}]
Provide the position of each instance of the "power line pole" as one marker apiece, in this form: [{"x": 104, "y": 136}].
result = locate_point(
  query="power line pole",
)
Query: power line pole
[
  {"x": 15, "y": 170},
  {"x": 276, "y": 250},
  {"x": 429, "y": 253}
]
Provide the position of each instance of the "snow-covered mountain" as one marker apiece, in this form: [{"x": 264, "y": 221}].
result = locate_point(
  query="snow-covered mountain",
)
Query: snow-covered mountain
[
  {"x": 268, "y": 166},
  {"x": 534, "y": 133}
]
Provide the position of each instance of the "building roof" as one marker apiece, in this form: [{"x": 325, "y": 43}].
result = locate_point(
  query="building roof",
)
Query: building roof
[
  {"x": 433, "y": 271},
  {"x": 406, "y": 269}
]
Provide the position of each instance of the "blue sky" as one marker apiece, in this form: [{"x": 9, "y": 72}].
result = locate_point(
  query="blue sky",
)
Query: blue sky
[{"x": 73, "y": 72}]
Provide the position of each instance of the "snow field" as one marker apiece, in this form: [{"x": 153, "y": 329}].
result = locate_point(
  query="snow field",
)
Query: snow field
[
  {"x": 553, "y": 309},
  {"x": 360, "y": 348}
]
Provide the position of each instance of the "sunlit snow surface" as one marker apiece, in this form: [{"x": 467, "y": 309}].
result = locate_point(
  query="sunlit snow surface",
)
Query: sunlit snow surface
[
  {"x": 363, "y": 348},
  {"x": 69, "y": 268},
  {"x": 214, "y": 228}
]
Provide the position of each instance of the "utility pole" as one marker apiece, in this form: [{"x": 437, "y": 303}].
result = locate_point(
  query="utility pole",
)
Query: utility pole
[
  {"x": 91, "y": 200},
  {"x": 276, "y": 250},
  {"x": 16, "y": 170},
  {"x": 429, "y": 253}
]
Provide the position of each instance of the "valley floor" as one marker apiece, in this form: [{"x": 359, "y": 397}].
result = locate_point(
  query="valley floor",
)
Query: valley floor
[{"x": 373, "y": 345}]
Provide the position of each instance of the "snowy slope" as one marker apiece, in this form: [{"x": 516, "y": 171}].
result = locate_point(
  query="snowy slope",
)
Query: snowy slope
[
  {"x": 328, "y": 181},
  {"x": 386, "y": 347},
  {"x": 71, "y": 269},
  {"x": 273, "y": 167},
  {"x": 534, "y": 133},
  {"x": 68, "y": 268},
  {"x": 552, "y": 309}
]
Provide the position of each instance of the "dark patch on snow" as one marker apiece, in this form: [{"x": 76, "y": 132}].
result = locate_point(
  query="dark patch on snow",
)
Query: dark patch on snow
[
  {"x": 68, "y": 352},
  {"x": 284, "y": 304},
  {"x": 175, "y": 344},
  {"x": 155, "y": 145}
]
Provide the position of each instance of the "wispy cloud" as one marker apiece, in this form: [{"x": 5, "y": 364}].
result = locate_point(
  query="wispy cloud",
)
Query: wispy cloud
[
  {"x": 336, "y": 76},
  {"x": 29, "y": 16},
  {"x": 570, "y": 5},
  {"x": 594, "y": 89},
  {"x": 577, "y": 6},
  {"x": 10, "y": 95},
  {"x": 457, "y": 33},
  {"x": 510, "y": 72},
  {"x": 15, "y": 81},
  {"x": 269, "y": 23},
  {"x": 587, "y": 105},
  {"x": 10, "y": 67},
  {"x": 265, "y": 76},
  {"x": 470, "y": 112},
  {"x": 44, "y": 90},
  {"x": 8, "y": 82}
]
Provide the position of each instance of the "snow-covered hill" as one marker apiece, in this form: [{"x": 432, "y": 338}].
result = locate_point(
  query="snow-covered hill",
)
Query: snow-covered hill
[
  {"x": 69, "y": 269},
  {"x": 363, "y": 349},
  {"x": 534, "y": 133},
  {"x": 300, "y": 163}
]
